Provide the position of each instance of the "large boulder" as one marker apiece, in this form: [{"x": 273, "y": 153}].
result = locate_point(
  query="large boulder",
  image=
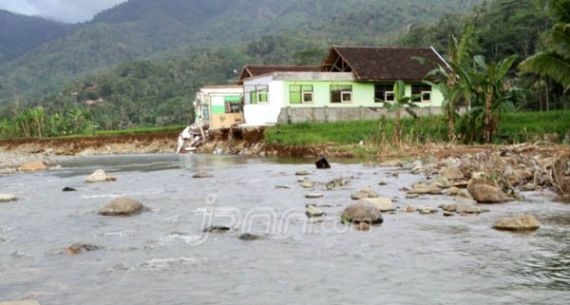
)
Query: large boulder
[
  {"x": 362, "y": 212},
  {"x": 518, "y": 223},
  {"x": 486, "y": 193},
  {"x": 33, "y": 166},
  {"x": 384, "y": 204},
  {"x": 7, "y": 198},
  {"x": 122, "y": 206},
  {"x": 99, "y": 176}
]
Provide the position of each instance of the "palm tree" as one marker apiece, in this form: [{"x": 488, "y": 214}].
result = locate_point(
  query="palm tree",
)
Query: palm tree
[{"x": 554, "y": 62}]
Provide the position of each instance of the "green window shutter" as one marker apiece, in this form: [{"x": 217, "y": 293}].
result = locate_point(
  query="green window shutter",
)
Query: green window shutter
[{"x": 295, "y": 97}]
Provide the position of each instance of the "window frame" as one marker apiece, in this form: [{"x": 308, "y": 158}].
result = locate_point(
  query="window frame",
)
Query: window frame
[
  {"x": 342, "y": 91},
  {"x": 385, "y": 90},
  {"x": 302, "y": 91}
]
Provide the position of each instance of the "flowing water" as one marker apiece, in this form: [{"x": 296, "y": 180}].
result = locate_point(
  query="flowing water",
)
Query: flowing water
[{"x": 161, "y": 256}]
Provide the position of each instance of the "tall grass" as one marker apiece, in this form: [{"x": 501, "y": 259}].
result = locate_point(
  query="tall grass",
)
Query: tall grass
[{"x": 514, "y": 127}]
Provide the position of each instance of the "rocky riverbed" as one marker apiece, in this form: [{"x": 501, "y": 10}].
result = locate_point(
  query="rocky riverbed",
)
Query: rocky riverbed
[{"x": 234, "y": 230}]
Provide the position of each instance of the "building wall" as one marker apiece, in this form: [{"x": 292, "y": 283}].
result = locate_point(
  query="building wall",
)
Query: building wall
[
  {"x": 261, "y": 114},
  {"x": 279, "y": 110},
  {"x": 292, "y": 115},
  {"x": 362, "y": 95}
]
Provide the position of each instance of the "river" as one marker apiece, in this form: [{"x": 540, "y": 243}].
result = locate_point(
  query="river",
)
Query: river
[{"x": 161, "y": 256}]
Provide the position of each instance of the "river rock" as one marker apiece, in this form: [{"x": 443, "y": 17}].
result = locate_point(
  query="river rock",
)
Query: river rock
[
  {"x": 78, "y": 248},
  {"x": 33, "y": 166},
  {"x": 448, "y": 214},
  {"x": 410, "y": 209},
  {"x": 462, "y": 208},
  {"x": 307, "y": 184},
  {"x": 337, "y": 183},
  {"x": 314, "y": 195},
  {"x": 7, "y": 198},
  {"x": 122, "y": 206},
  {"x": 423, "y": 189},
  {"x": 391, "y": 163},
  {"x": 486, "y": 193},
  {"x": 384, "y": 204},
  {"x": 99, "y": 176},
  {"x": 250, "y": 237},
  {"x": 364, "y": 193},
  {"x": 362, "y": 212},
  {"x": 323, "y": 163},
  {"x": 453, "y": 191},
  {"x": 302, "y": 173},
  {"x": 312, "y": 211},
  {"x": 24, "y": 302},
  {"x": 518, "y": 223},
  {"x": 217, "y": 229},
  {"x": 452, "y": 173},
  {"x": 427, "y": 210},
  {"x": 282, "y": 187},
  {"x": 202, "y": 175},
  {"x": 68, "y": 189},
  {"x": 382, "y": 183}
]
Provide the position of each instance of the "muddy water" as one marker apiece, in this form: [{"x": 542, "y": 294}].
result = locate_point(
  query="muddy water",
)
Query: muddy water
[{"x": 160, "y": 257}]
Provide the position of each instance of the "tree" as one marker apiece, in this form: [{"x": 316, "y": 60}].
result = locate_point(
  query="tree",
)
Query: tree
[
  {"x": 554, "y": 62},
  {"x": 454, "y": 81},
  {"x": 492, "y": 90},
  {"x": 401, "y": 102}
]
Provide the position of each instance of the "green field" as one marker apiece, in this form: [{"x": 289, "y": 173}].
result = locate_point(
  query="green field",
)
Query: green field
[{"x": 515, "y": 127}]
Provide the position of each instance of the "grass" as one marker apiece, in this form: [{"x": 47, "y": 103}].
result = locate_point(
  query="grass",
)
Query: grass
[
  {"x": 178, "y": 128},
  {"x": 515, "y": 127}
]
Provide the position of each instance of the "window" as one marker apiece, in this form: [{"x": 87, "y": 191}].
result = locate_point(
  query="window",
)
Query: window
[
  {"x": 341, "y": 94},
  {"x": 384, "y": 93},
  {"x": 233, "y": 108},
  {"x": 300, "y": 94},
  {"x": 423, "y": 92},
  {"x": 257, "y": 94},
  {"x": 233, "y": 104}
]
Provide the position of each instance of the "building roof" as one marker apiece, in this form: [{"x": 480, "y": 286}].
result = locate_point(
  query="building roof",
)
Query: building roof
[
  {"x": 222, "y": 86},
  {"x": 383, "y": 63},
  {"x": 256, "y": 70}
]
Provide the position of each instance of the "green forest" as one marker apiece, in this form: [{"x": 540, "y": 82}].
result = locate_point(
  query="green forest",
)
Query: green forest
[{"x": 507, "y": 55}]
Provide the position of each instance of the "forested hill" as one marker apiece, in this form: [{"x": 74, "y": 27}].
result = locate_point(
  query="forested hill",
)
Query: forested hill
[
  {"x": 20, "y": 34},
  {"x": 142, "y": 28}
]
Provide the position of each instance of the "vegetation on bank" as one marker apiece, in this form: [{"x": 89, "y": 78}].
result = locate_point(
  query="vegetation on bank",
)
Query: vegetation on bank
[{"x": 516, "y": 127}]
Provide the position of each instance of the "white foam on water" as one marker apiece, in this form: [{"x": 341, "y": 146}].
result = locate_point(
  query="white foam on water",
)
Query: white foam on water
[
  {"x": 164, "y": 263},
  {"x": 187, "y": 239}
]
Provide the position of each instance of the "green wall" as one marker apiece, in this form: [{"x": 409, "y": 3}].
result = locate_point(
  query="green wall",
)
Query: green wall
[{"x": 362, "y": 95}]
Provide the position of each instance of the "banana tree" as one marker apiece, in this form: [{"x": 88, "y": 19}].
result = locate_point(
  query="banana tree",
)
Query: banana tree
[
  {"x": 453, "y": 80},
  {"x": 401, "y": 102},
  {"x": 492, "y": 91}
]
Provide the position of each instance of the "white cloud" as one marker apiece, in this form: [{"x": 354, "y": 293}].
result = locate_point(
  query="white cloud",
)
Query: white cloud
[{"x": 64, "y": 10}]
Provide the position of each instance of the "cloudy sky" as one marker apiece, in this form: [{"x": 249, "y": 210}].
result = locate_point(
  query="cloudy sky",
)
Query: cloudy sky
[{"x": 64, "y": 10}]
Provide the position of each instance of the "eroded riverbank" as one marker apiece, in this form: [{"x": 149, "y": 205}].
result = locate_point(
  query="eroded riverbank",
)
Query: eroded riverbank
[{"x": 160, "y": 256}]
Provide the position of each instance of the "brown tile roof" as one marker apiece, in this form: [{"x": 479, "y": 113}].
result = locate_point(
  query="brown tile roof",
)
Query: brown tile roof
[
  {"x": 383, "y": 63},
  {"x": 256, "y": 70}
]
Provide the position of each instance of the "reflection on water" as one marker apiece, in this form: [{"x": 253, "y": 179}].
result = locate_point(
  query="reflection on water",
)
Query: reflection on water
[{"x": 152, "y": 258}]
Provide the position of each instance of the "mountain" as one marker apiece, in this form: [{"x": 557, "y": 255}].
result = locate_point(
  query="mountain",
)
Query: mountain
[
  {"x": 142, "y": 28},
  {"x": 21, "y": 34}
]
